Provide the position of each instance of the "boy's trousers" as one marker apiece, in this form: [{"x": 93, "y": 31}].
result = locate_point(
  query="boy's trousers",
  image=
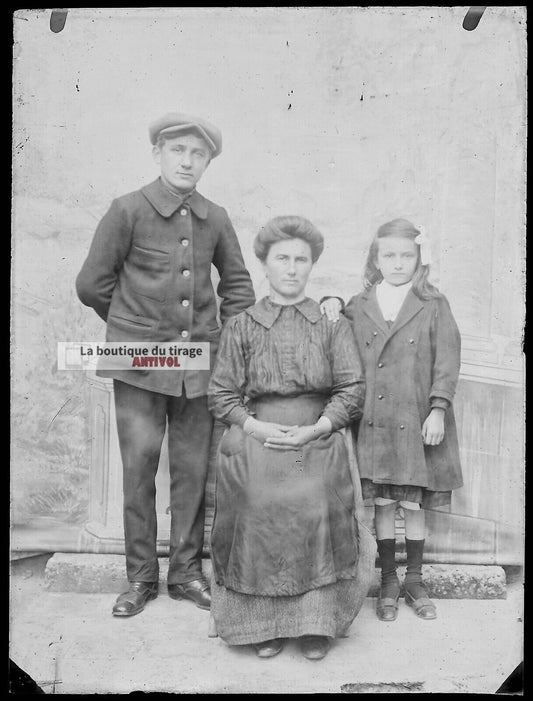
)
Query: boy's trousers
[{"x": 141, "y": 422}]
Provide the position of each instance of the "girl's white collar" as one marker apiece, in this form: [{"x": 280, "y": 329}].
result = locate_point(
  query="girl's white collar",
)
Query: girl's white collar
[{"x": 395, "y": 289}]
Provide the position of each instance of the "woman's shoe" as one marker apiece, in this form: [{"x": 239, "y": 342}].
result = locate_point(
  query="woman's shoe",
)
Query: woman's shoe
[
  {"x": 315, "y": 647},
  {"x": 423, "y": 606},
  {"x": 269, "y": 648},
  {"x": 387, "y": 606}
]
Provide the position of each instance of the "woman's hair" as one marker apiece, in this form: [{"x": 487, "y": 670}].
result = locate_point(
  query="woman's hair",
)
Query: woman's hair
[
  {"x": 399, "y": 228},
  {"x": 288, "y": 227}
]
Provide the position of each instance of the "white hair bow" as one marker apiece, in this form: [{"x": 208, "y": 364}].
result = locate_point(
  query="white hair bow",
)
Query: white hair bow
[{"x": 425, "y": 245}]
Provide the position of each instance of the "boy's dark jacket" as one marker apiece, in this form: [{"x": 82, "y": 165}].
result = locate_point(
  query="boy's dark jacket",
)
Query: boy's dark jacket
[
  {"x": 148, "y": 275},
  {"x": 409, "y": 369}
]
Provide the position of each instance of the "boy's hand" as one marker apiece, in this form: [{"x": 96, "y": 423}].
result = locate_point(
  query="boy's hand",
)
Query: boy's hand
[
  {"x": 433, "y": 427},
  {"x": 331, "y": 307}
]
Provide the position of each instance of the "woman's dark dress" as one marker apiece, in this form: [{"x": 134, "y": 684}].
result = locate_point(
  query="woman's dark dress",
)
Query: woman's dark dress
[{"x": 284, "y": 542}]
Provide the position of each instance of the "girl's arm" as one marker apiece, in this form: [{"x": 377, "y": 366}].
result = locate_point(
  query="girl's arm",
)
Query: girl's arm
[
  {"x": 433, "y": 427},
  {"x": 446, "y": 351}
]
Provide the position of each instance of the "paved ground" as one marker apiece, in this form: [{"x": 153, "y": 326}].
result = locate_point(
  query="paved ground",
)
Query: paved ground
[{"x": 69, "y": 643}]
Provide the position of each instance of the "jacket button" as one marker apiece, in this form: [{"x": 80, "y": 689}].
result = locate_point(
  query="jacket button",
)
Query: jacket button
[
  {"x": 183, "y": 212},
  {"x": 184, "y": 242},
  {"x": 370, "y": 423},
  {"x": 411, "y": 340},
  {"x": 375, "y": 333},
  {"x": 380, "y": 365},
  {"x": 380, "y": 396},
  {"x": 185, "y": 303},
  {"x": 186, "y": 273},
  {"x": 184, "y": 334},
  {"x": 402, "y": 426}
]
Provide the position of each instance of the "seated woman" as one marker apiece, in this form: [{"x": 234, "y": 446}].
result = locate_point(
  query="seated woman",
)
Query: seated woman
[{"x": 287, "y": 559}]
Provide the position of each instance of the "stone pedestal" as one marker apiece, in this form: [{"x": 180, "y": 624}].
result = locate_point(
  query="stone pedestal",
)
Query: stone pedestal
[
  {"x": 95, "y": 573},
  {"x": 105, "y": 505}
]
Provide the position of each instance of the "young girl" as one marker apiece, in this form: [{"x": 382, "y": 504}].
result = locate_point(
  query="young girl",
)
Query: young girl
[{"x": 407, "y": 447}]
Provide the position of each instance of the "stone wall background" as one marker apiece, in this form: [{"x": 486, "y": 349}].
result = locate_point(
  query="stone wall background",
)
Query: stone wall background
[{"x": 347, "y": 115}]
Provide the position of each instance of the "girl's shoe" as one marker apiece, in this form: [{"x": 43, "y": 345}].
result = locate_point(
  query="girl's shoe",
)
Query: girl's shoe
[
  {"x": 422, "y": 606},
  {"x": 387, "y": 606},
  {"x": 415, "y": 592},
  {"x": 387, "y": 603}
]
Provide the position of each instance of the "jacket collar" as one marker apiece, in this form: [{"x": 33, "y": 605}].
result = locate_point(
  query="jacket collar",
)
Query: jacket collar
[
  {"x": 166, "y": 203},
  {"x": 265, "y": 312},
  {"x": 411, "y": 306}
]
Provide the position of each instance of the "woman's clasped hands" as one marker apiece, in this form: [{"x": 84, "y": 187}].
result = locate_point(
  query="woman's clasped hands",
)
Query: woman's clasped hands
[{"x": 282, "y": 437}]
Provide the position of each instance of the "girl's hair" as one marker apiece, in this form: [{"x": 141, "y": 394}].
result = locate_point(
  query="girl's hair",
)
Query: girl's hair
[
  {"x": 288, "y": 227},
  {"x": 399, "y": 228}
]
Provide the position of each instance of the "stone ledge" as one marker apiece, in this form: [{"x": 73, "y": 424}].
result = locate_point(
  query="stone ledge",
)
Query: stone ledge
[{"x": 96, "y": 574}]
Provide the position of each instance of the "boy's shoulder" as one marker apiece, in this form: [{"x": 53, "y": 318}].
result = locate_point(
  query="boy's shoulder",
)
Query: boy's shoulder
[
  {"x": 133, "y": 197},
  {"x": 158, "y": 197}
]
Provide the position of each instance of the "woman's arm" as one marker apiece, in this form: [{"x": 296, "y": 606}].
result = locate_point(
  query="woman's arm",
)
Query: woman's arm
[
  {"x": 348, "y": 384},
  {"x": 225, "y": 392},
  {"x": 227, "y": 385},
  {"x": 347, "y": 393}
]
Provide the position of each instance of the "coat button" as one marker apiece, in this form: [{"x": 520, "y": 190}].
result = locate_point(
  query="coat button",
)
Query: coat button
[
  {"x": 185, "y": 303},
  {"x": 402, "y": 426},
  {"x": 375, "y": 333},
  {"x": 183, "y": 212},
  {"x": 186, "y": 273},
  {"x": 370, "y": 423},
  {"x": 184, "y": 334},
  {"x": 411, "y": 340},
  {"x": 380, "y": 396},
  {"x": 380, "y": 365},
  {"x": 184, "y": 242}
]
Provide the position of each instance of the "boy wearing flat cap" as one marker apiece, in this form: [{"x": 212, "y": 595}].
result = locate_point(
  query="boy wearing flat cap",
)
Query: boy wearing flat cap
[{"x": 148, "y": 275}]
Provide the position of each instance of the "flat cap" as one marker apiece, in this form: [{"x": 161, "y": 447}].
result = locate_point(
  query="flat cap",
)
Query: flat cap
[{"x": 176, "y": 122}]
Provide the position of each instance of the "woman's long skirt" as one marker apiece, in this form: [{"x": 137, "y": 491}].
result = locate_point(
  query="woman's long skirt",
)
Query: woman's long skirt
[
  {"x": 242, "y": 619},
  {"x": 289, "y": 556}
]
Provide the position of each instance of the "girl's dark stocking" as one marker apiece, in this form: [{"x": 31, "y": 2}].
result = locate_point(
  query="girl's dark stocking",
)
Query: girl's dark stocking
[
  {"x": 413, "y": 577},
  {"x": 390, "y": 583}
]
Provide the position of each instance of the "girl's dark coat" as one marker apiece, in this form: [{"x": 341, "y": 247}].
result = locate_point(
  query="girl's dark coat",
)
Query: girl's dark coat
[{"x": 410, "y": 368}]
